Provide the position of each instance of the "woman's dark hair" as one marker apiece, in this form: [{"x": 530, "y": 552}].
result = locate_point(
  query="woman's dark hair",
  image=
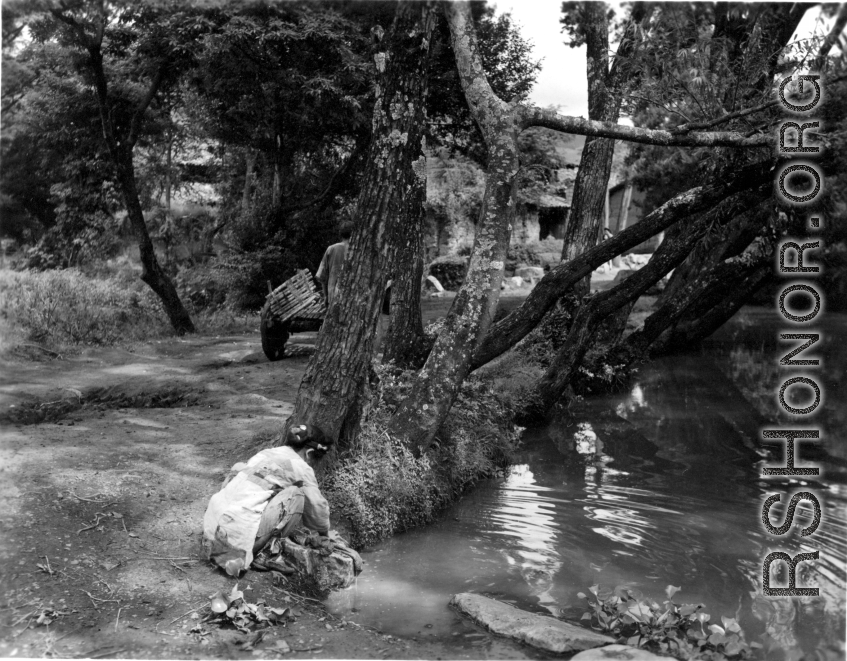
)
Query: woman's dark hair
[
  {"x": 309, "y": 436},
  {"x": 346, "y": 230}
]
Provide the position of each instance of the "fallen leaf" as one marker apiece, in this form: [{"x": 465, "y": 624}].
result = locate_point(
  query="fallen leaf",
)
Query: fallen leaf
[{"x": 219, "y": 603}]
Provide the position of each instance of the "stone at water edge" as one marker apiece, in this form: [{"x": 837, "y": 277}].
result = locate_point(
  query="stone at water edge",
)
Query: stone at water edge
[
  {"x": 540, "y": 631},
  {"x": 618, "y": 653}
]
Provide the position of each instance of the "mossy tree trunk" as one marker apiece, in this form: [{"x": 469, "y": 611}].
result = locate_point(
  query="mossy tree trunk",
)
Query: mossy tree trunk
[
  {"x": 331, "y": 391},
  {"x": 404, "y": 342},
  {"x": 418, "y": 418}
]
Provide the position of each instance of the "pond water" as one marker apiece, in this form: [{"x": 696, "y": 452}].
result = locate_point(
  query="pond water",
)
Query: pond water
[{"x": 669, "y": 493}]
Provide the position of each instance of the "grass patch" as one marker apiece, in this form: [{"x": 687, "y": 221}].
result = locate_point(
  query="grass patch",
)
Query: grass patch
[
  {"x": 378, "y": 487},
  {"x": 66, "y": 309},
  {"x": 43, "y": 314}
]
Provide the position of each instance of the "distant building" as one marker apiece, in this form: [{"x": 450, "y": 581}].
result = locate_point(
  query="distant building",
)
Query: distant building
[{"x": 625, "y": 207}]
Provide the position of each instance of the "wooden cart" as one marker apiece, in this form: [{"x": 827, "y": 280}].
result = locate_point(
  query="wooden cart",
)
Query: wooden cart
[{"x": 296, "y": 306}]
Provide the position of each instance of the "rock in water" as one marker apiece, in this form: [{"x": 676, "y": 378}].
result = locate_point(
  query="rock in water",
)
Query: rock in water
[
  {"x": 618, "y": 653},
  {"x": 540, "y": 631}
]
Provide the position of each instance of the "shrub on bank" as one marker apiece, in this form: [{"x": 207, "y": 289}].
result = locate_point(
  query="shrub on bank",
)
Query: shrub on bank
[
  {"x": 66, "y": 308},
  {"x": 379, "y": 487}
]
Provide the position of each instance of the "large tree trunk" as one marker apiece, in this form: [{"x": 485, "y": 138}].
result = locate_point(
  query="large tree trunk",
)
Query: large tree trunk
[
  {"x": 336, "y": 377},
  {"x": 588, "y": 207},
  {"x": 418, "y": 417},
  {"x": 404, "y": 343}
]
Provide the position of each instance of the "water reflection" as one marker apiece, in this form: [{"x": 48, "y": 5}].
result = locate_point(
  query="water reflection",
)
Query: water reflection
[
  {"x": 654, "y": 486},
  {"x": 525, "y": 515}
]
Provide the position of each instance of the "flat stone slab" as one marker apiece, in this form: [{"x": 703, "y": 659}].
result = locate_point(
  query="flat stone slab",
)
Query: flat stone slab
[
  {"x": 618, "y": 653},
  {"x": 546, "y": 633}
]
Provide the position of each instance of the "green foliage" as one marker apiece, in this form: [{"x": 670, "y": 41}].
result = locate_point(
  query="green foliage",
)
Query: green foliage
[
  {"x": 67, "y": 308},
  {"x": 506, "y": 60},
  {"x": 680, "y": 630},
  {"x": 379, "y": 487}
]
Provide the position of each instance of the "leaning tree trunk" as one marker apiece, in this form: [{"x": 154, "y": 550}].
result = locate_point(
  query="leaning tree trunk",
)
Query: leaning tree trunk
[
  {"x": 685, "y": 336},
  {"x": 151, "y": 271},
  {"x": 509, "y": 331},
  {"x": 591, "y": 315},
  {"x": 715, "y": 285},
  {"x": 330, "y": 393}
]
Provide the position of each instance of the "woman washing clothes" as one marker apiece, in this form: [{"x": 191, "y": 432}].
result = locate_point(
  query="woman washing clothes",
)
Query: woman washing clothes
[{"x": 268, "y": 498}]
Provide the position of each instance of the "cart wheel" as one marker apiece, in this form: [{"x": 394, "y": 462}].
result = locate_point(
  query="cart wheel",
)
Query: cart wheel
[{"x": 274, "y": 335}]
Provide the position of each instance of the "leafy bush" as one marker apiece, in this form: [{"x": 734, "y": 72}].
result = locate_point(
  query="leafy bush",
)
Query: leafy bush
[
  {"x": 202, "y": 288},
  {"x": 61, "y": 308},
  {"x": 450, "y": 271},
  {"x": 379, "y": 487},
  {"x": 245, "y": 276},
  {"x": 671, "y": 628}
]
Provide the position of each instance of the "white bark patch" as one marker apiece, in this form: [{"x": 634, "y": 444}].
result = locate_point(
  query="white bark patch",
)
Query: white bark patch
[
  {"x": 379, "y": 61},
  {"x": 395, "y": 138},
  {"x": 419, "y": 168},
  {"x": 497, "y": 265}
]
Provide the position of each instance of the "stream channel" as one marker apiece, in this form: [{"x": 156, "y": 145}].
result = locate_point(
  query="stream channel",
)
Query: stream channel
[{"x": 666, "y": 492}]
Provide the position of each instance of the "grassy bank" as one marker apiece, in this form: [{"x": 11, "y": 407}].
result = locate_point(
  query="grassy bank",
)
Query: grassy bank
[
  {"x": 379, "y": 488},
  {"x": 62, "y": 311}
]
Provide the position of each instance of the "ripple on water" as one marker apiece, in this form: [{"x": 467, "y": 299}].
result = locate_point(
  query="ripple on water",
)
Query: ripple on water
[{"x": 667, "y": 491}]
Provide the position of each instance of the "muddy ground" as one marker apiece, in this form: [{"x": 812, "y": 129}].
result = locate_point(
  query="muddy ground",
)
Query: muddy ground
[{"x": 107, "y": 460}]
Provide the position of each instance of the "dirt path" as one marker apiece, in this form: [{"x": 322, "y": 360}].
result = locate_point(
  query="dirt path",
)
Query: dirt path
[{"x": 107, "y": 461}]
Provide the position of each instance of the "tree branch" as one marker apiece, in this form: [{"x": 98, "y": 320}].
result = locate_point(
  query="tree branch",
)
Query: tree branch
[
  {"x": 577, "y": 125},
  {"x": 486, "y": 106},
  {"x": 693, "y": 126},
  {"x": 831, "y": 38},
  {"x": 147, "y": 99},
  {"x": 71, "y": 22},
  {"x": 331, "y": 186}
]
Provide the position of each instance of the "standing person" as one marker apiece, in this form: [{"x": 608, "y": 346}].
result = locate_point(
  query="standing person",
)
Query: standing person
[{"x": 330, "y": 268}]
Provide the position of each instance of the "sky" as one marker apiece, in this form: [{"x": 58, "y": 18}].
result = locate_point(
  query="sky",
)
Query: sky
[{"x": 562, "y": 82}]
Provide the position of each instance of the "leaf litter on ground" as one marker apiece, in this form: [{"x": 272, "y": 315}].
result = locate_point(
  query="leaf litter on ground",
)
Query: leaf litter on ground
[{"x": 245, "y": 616}]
